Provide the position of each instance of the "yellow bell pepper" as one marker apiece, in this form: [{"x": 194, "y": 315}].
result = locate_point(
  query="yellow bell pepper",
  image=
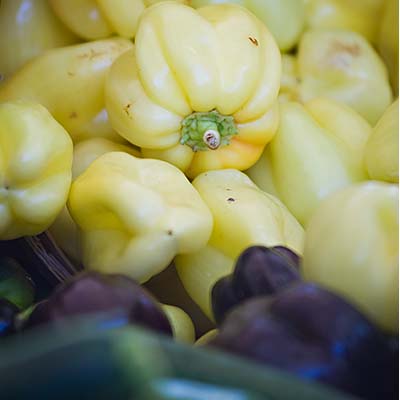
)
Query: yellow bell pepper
[
  {"x": 318, "y": 149},
  {"x": 382, "y": 149},
  {"x": 361, "y": 16},
  {"x": 136, "y": 215},
  {"x": 243, "y": 216},
  {"x": 22, "y": 38},
  {"x": 388, "y": 41},
  {"x": 284, "y": 18},
  {"x": 352, "y": 247},
  {"x": 181, "y": 323},
  {"x": 199, "y": 89},
  {"x": 97, "y": 19},
  {"x": 69, "y": 82},
  {"x": 64, "y": 230},
  {"x": 35, "y": 169},
  {"x": 343, "y": 66},
  {"x": 204, "y": 339}
]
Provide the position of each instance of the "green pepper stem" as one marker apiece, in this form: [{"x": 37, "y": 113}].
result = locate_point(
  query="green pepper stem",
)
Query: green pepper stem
[{"x": 207, "y": 130}]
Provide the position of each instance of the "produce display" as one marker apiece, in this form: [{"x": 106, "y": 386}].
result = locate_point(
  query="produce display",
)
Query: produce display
[{"x": 199, "y": 199}]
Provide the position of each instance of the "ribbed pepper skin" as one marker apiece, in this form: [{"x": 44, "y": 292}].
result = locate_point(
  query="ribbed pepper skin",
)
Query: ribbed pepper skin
[
  {"x": 219, "y": 60},
  {"x": 352, "y": 247},
  {"x": 136, "y": 215},
  {"x": 243, "y": 216},
  {"x": 35, "y": 169}
]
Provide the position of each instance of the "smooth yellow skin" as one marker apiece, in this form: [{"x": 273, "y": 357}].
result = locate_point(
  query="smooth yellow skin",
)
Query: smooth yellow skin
[
  {"x": 318, "y": 149},
  {"x": 64, "y": 230},
  {"x": 261, "y": 173},
  {"x": 69, "y": 82},
  {"x": 388, "y": 41},
  {"x": 382, "y": 149},
  {"x": 243, "y": 216},
  {"x": 136, "y": 215},
  {"x": 83, "y": 17},
  {"x": 352, "y": 247},
  {"x": 186, "y": 61},
  {"x": 284, "y": 18},
  {"x": 97, "y": 19},
  {"x": 362, "y": 16},
  {"x": 203, "y": 340},
  {"x": 181, "y": 323},
  {"x": 27, "y": 29},
  {"x": 35, "y": 169},
  {"x": 343, "y": 66}
]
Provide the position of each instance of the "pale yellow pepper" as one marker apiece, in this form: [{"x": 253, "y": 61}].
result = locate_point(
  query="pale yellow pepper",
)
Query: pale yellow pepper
[
  {"x": 243, "y": 216},
  {"x": 199, "y": 89},
  {"x": 204, "y": 339},
  {"x": 64, "y": 230},
  {"x": 136, "y": 215},
  {"x": 97, "y": 19},
  {"x": 181, "y": 323},
  {"x": 343, "y": 66},
  {"x": 318, "y": 149},
  {"x": 352, "y": 247},
  {"x": 27, "y": 29},
  {"x": 382, "y": 149},
  {"x": 284, "y": 18},
  {"x": 388, "y": 41},
  {"x": 69, "y": 82},
  {"x": 35, "y": 169},
  {"x": 362, "y": 16}
]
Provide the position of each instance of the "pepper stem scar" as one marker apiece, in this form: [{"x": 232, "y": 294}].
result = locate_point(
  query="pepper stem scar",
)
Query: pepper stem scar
[{"x": 207, "y": 130}]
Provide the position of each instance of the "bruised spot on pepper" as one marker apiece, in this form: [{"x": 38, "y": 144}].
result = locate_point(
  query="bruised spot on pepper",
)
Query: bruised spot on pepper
[
  {"x": 170, "y": 232},
  {"x": 253, "y": 40},
  {"x": 126, "y": 109},
  {"x": 342, "y": 54},
  {"x": 230, "y": 200},
  {"x": 73, "y": 115},
  {"x": 71, "y": 74}
]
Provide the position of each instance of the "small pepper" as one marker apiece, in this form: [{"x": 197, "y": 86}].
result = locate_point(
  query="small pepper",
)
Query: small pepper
[
  {"x": 243, "y": 216},
  {"x": 35, "y": 169},
  {"x": 352, "y": 247},
  {"x": 69, "y": 82},
  {"x": 136, "y": 215},
  {"x": 199, "y": 89}
]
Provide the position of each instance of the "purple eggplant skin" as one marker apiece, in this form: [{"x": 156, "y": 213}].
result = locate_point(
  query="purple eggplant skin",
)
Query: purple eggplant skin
[
  {"x": 91, "y": 292},
  {"x": 259, "y": 271},
  {"x": 315, "y": 334},
  {"x": 8, "y": 313}
]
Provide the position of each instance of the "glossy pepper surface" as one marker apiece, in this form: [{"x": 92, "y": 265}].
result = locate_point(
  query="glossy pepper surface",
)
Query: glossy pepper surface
[
  {"x": 199, "y": 89},
  {"x": 136, "y": 215},
  {"x": 352, "y": 247},
  {"x": 64, "y": 230},
  {"x": 35, "y": 169},
  {"x": 97, "y": 19},
  {"x": 343, "y": 66},
  {"x": 69, "y": 82},
  {"x": 382, "y": 149},
  {"x": 284, "y": 18},
  {"x": 27, "y": 29},
  {"x": 243, "y": 216},
  {"x": 318, "y": 149}
]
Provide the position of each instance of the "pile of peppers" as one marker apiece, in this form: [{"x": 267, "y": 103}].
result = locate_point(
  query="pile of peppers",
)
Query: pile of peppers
[{"x": 159, "y": 140}]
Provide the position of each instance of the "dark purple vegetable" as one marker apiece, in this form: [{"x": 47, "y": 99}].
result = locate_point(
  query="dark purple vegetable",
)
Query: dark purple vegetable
[
  {"x": 259, "y": 271},
  {"x": 315, "y": 334},
  {"x": 8, "y": 312},
  {"x": 91, "y": 292}
]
